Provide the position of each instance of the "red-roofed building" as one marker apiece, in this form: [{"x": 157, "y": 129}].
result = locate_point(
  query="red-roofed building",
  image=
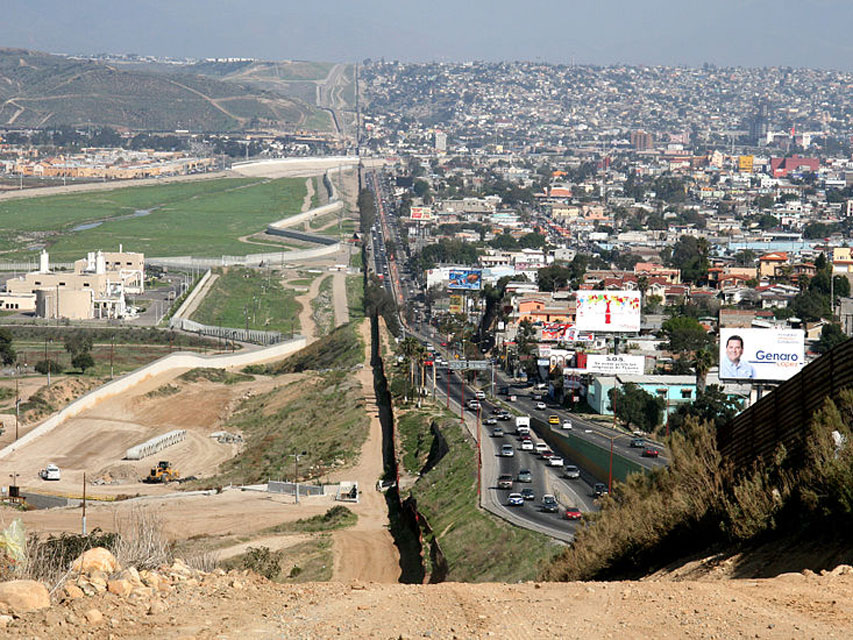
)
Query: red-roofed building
[
  {"x": 770, "y": 263},
  {"x": 781, "y": 167}
]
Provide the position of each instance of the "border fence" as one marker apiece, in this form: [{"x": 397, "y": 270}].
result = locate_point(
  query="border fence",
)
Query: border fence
[{"x": 782, "y": 416}]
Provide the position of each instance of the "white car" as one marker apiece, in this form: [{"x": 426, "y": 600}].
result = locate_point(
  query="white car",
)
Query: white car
[
  {"x": 541, "y": 406},
  {"x": 480, "y": 395},
  {"x": 572, "y": 472},
  {"x": 527, "y": 445},
  {"x": 555, "y": 461},
  {"x": 567, "y": 424},
  {"x": 540, "y": 447}
]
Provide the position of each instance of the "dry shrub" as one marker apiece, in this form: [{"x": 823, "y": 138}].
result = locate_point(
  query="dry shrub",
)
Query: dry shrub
[
  {"x": 49, "y": 558},
  {"x": 142, "y": 542},
  {"x": 203, "y": 560}
]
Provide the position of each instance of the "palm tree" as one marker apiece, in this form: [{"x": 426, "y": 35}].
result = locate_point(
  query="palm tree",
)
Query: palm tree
[{"x": 703, "y": 360}]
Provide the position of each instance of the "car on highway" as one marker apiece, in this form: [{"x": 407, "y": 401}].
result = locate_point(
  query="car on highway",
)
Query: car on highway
[
  {"x": 515, "y": 500},
  {"x": 540, "y": 448},
  {"x": 567, "y": 424},
  {"x": 541, "y": 406},
  {"x": 490, "y": 422},
  {"x": 554, "y": 419},
  {"x": 524, "y": 475},
  {"x": 638, "y": 443},
  {"x": 474, "y": 405},
  {"x": 498, "y": 432},
  {"x": 505, "y": 481},
  {"x": 507, "y": 451},
  {"x": 555, "y": 461},
  {"x": 571, "y": 471},
  {"x": 573, "y": 513},
  {"x": 527, "y": 445},
  {"x": 599, "y": 489},
  {"x": 480, "y": 395},
  {"x": 504, "y": 415},
  {"x": 650, "y": 452},
  {"x": 549, "y": 504},
  {"x": 528, "y": 494}
]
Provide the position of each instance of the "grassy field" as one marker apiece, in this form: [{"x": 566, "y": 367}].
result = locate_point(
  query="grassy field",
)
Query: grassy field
[
  {"x": 201, "y": 218},
  {"x": 478, "y": 547},
  {"x": 341, "y": 349},
  {"x": 355, "y": 297},
  {"x": 295, "y": 418},
  {"x": 238, "y": 293}
]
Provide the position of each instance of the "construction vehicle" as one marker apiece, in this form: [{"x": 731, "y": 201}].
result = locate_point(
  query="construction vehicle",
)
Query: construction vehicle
[{"x": 163, "y": 472}]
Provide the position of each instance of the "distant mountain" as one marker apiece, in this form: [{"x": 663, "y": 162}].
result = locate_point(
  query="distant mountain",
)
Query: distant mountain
[{"x": 41, "y": 90}]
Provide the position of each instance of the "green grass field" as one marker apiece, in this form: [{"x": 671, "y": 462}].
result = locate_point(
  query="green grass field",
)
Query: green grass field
[
  {"x": 202, "y": 218},
  {"x": 238, "y": 292}
]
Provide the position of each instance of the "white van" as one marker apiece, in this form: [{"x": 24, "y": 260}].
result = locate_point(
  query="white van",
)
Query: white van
[
  {"x": 50, "y": 472},
  {"x": 480, "y": 395}
]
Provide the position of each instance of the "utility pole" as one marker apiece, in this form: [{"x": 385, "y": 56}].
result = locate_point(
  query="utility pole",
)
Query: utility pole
[{"x": 84, "y": 503}]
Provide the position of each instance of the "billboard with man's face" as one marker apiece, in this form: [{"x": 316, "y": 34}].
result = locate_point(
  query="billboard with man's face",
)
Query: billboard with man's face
[
  {"x": 608, "y": 311},
  {"x": 465, "y": 279},
  {"x": 761, "y": 354}
]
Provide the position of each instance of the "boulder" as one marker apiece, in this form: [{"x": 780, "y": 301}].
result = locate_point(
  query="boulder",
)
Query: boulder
[
  {"x": 93, "y": 616},
  {"x": 72, "y": 592},
  {"x": 121, "y": 588},
  {"x": 97, "y": 559},
  {"x": 24, "y": 595}
]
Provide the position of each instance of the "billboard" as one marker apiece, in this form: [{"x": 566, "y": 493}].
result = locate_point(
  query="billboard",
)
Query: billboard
[
  {"x": 564, "y": 332},
  {"x": 424, "y": 214},
  {"x": 615, "y": 365},
  {"x": 608, "y": 311},
  {"x": 745, "y": 163},
  {"x": 456, "y": 304},
  {"x": 761, "y": 354},
  {"x": 465, "y": 279}
]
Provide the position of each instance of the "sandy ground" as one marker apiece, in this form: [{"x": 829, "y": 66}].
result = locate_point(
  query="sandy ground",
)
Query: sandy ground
[
  {"x": 366, "y": 551},
  {"x": 306, "y": 320},
  {"x": 309, "y": 193},
  {"x": 339, "y": 298}
]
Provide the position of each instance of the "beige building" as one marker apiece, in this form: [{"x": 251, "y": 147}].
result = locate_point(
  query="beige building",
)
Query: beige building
[{"x": 95, "y": 289}]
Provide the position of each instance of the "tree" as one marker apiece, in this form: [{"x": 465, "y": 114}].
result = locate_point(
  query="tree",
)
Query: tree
[
  {"x": 831, "y": 336},
  {"x": 712, "y": 406},
  {"x": 553, "y": 277},
  {"x": 685, "y": 334},
  {"x": 504, "y": 241},
  {"x": 83, "y": 361},
  {"x": 7, "y": 353},
  {"x": 690, "y": 256},
  {"x": 532, "y": 241},
  {"x": 703, "y": 360},
  {"x": 43, "y": 366},
  {"x": 634, "y": 406}
]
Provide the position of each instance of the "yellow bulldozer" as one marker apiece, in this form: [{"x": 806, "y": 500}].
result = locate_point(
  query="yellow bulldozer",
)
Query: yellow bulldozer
[{"x": 163, "y": 472}]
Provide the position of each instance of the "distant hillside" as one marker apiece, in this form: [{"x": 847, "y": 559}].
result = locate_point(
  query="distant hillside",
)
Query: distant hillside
[{"x": 39, "y": 89}]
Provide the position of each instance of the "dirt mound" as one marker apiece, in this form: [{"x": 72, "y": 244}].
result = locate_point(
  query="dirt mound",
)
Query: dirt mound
[{"x": 116, "y": 474}]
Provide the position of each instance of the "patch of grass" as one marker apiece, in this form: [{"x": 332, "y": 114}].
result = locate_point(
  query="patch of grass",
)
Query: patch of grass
[
  {"x": 214, "y": 375},
  {"x": 478, "y": 547},
  {"x": 415, "y": 437},
  {"x": 301, "y": 282},
  {"x": 341, "y": 349},
  {"x": 163, "y": 391},
  {"x": 310, "y": 561},
  {"x": 338, "y": 517},
  {"x": 321, "y": 415},
  {"x": 241, "y": 297},
  {"x": 355, "y": 297},
  {"x": 193, "y": 218},
  {"x": 355, "y": 260}
]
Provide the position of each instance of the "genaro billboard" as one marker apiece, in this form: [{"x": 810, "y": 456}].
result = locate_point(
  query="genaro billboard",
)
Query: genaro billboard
[
  {"x": 465, "y": 279},
  {"x": 761, "y": 354},
  {"x": 608, "y": 311}
]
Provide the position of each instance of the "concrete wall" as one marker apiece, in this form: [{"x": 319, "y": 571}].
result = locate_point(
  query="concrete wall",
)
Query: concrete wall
[
  {"x": 172, "y": 362},
  {"x": 332, "y": 207}
]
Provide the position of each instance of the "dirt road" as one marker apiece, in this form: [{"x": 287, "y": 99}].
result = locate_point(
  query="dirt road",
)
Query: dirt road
[
  {"x": 366, "y": 551},
  {"x": 306, "y": 319}
]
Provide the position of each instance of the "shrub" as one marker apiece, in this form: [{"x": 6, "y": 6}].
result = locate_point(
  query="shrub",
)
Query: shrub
[{"x": 263, "y": 562}]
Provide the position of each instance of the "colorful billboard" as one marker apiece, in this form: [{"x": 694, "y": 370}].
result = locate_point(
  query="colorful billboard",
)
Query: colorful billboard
[
  {"x": 615, "y": 365},
  {"x": 614, "y": 311},
  {"x": 456, "y": 304},
  {"x": 564, "y": 332},
  {"x": 424, "y": 214},
  {"x": 745, "y": 163},
  {"x": 761, "y": 354},
  {"x": 465, "y": 279}
]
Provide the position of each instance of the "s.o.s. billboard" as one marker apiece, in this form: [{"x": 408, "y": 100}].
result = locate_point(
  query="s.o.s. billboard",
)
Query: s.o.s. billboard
[
  {"x": 608, "y": 311},
  {"x": 465, "y": 279},
  {"x": 761, "y": 354}
]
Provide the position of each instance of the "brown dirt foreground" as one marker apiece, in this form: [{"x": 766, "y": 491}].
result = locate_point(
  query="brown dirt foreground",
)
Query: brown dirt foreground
[{"x": 248, "y": 606}]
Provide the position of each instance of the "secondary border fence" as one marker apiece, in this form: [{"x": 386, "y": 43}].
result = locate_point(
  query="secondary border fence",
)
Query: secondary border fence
[
  {"x": 782, "y": 416},
  {"x": 265, "y": 338}
]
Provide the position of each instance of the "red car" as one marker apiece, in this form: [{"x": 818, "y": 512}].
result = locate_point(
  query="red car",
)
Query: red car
[
  {"x": 573, "y": 513},
  {"x": 650, "y": 452}
]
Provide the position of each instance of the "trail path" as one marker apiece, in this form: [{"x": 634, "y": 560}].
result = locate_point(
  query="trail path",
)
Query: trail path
[
  {"x": 309, "y": 193},
  {"x": 366, "y": 551},
  {"x": 339, "y": 299},
  {"x": 191, "y": 308},
  {"x": 306, "y": 319}
]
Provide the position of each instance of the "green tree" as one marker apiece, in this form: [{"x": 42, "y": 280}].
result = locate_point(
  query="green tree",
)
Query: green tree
[
  {"x": 633, "y": 406},
  {"x": 83, "y": 361},
  {"x": 831, "y": 336},
  {"x": 712, "y": 406},
  {"x": 690, "y": 256},
  {"x": 504, "y": 241},
  {"x": 7, "y": 353},
  {"x": 685, "y": 335},
  {"x": 43, "y": 366},
  {"x": 553, "y": 277},
  {"x": 532, "y": 241}
]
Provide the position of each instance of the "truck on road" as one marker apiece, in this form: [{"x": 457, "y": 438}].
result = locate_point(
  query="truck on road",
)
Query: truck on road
[
  {"x": 522, "y": 425},
  {"x": 50, "y": 472}
]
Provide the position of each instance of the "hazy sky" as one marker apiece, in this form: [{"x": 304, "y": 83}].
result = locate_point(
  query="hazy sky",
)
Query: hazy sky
[{"x": 801, "y": 33}]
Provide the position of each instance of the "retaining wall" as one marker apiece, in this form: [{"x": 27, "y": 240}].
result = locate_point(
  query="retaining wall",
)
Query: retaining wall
[
  {"x": 180, "y": 360},
  {"x": 190, "y": 299}
]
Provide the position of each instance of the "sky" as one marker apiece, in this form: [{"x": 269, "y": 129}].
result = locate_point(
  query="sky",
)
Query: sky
[{"x": 751, "y": 33}]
